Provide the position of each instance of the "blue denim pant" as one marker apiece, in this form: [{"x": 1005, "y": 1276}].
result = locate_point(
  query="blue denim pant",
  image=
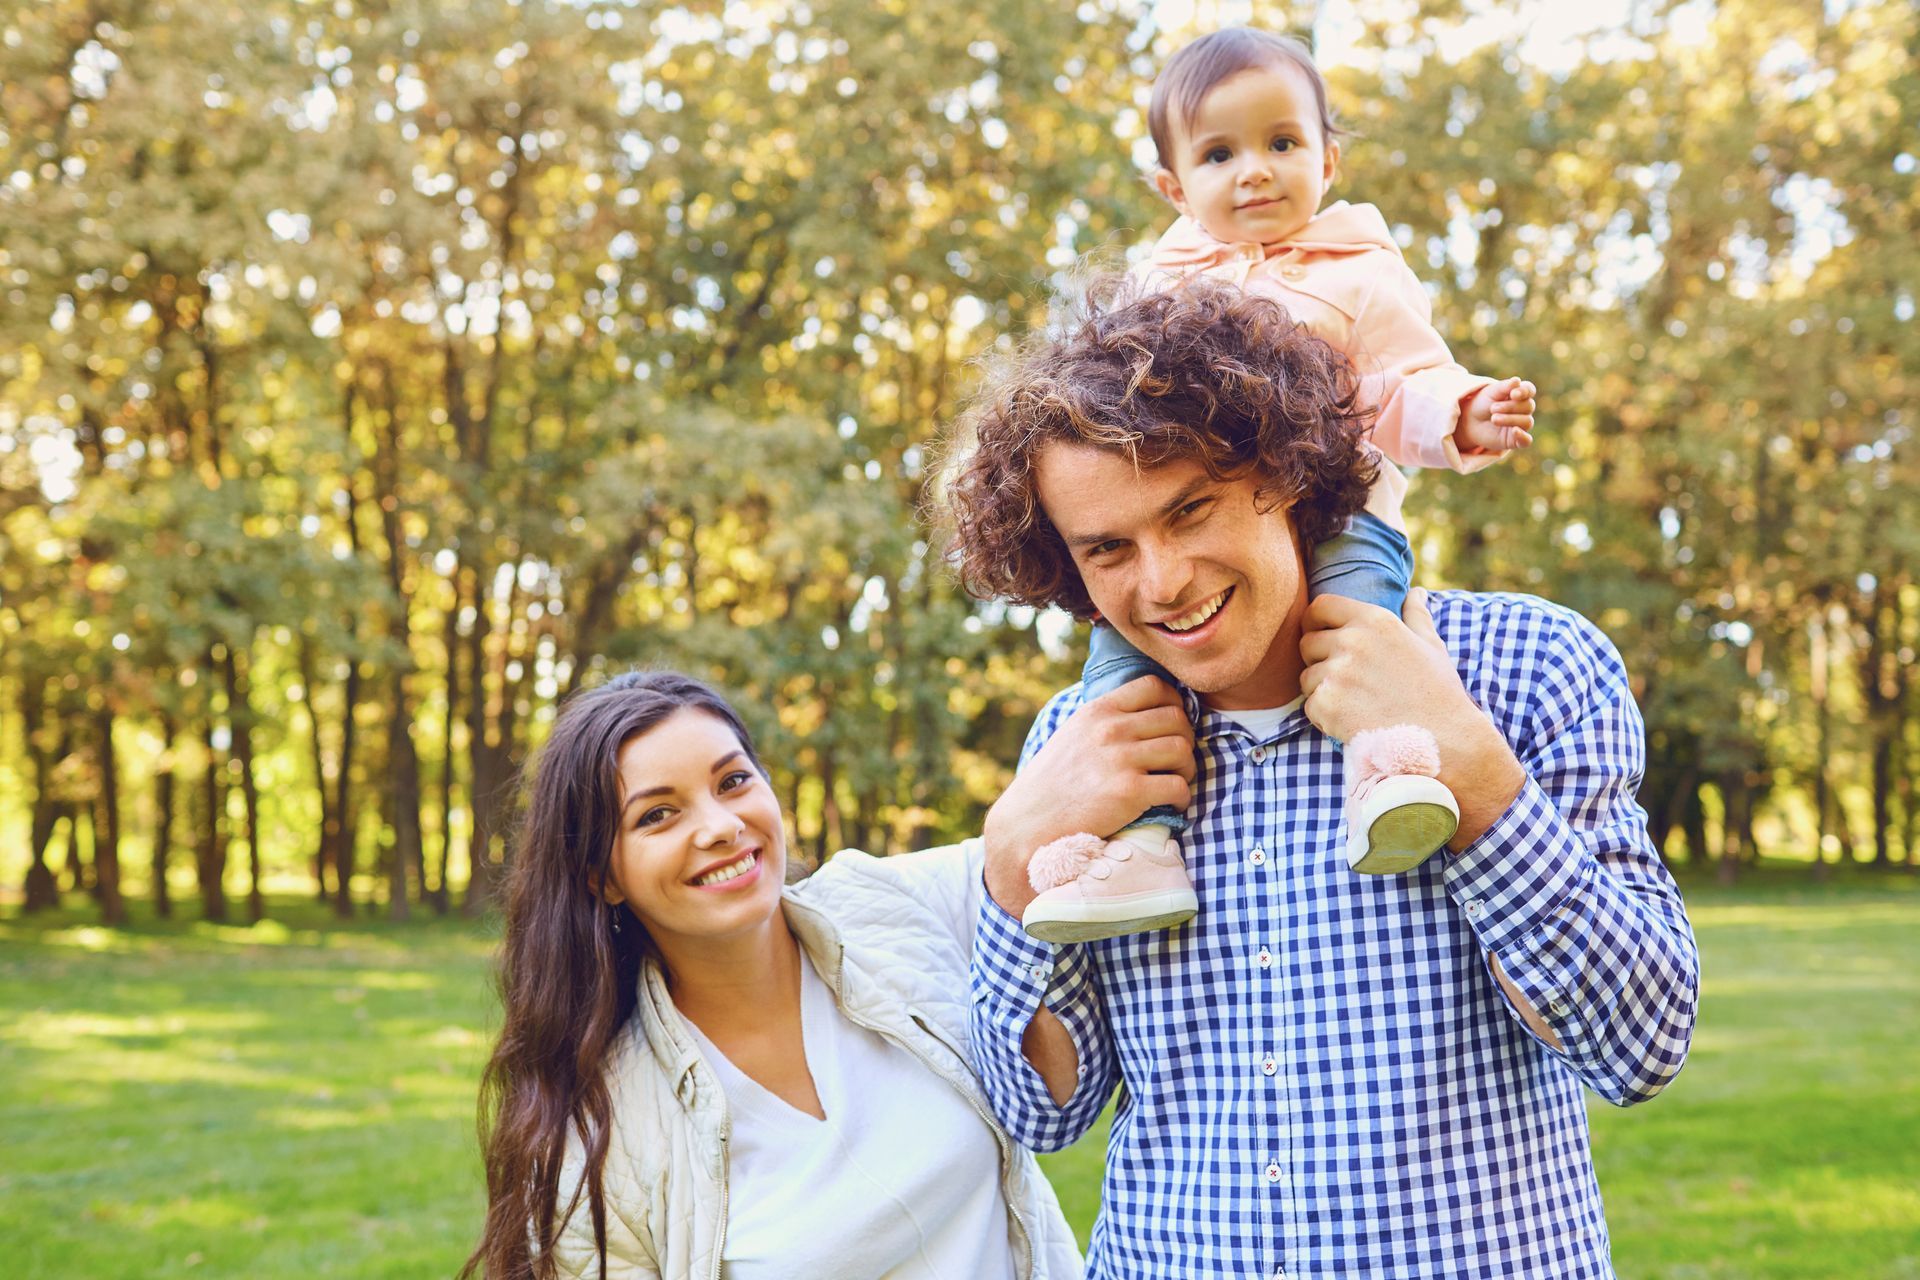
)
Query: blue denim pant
[{"x": 1371, "y": 562}]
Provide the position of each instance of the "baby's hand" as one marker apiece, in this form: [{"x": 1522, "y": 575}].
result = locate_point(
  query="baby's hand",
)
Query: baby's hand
[{"x": 1498, "y": 418}]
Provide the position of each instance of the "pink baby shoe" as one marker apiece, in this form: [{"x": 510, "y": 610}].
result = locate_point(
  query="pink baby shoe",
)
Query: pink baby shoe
[
  {"x": 1398, "y": 811},
  {"x": 1092, "y": 888}
]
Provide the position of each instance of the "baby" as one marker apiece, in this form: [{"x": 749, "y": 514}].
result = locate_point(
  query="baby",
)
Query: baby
[{"x": 1247, "y": 150}]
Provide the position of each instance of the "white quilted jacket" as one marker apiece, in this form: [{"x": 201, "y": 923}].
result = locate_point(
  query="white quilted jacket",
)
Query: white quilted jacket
[{"x": 890, "y": 937}]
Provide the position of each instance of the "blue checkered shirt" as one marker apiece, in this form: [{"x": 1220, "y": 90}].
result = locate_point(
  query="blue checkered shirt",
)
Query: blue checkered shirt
[{"x": 1319, "y": 1076}]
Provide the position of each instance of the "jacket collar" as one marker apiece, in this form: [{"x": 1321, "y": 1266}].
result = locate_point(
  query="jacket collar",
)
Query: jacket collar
[
  {"x": 662, "y": 1028},
  {"x": 1340, "y": 228}
]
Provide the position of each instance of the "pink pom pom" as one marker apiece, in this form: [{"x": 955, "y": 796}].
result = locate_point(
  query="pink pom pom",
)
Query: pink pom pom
[
  {"x": 1392, "y": 752},
  {"x": 1062, "y": 861}
]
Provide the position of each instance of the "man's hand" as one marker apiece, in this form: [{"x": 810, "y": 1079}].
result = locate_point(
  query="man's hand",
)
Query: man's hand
[
  {"x": 1498, "y": 417},
  {"x": 1114, "y": 758},
  {"x": 1366, "y": 669}
]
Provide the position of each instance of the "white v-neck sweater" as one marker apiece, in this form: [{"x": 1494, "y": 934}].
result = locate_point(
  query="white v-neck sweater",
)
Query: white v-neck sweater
[{"x": 900, "y": 1181}]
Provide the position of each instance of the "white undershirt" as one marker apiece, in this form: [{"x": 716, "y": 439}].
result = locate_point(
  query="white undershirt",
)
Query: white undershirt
[
  {"x": 901, "y": 1181},
  {"x": 1264, "y": 722}
]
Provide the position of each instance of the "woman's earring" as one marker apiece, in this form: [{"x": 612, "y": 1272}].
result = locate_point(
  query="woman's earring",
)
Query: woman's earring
[{"x": 616, "y": 919}]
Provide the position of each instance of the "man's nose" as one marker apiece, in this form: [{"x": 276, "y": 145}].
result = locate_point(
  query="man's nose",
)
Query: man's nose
[{"x": 1164, "y": 574}]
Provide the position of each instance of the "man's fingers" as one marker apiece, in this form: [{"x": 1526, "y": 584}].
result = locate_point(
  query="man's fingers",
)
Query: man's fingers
[
  {"x": 1153, "y": 722},
  {"x": 1170, "y": 754},
  {"x": 1318, "y": 646},
  {"x": 1312, "y": 678},
  {"x": 1166, "y": 788},
  {"x": 1332, "y": 611},
  {"x": 1418, "y": 619},
  {"x": 1140, "y": 694}
]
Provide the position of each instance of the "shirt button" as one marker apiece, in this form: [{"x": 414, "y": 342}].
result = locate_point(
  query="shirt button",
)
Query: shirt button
[
  {"x": 1557, "y": 1007},
  {"x": 1259, "y": 755},
  {"x": 1258, "y": 857},
  {"x": 1473, "y": 907},
  {"x": 1041, "y": 970},
  {"x": 1273, "y": 1173},
  {"x": 1293, "y": 271},
  {"x": 1265, "y": 957},
  {"x": 1268, "y": 1066}
]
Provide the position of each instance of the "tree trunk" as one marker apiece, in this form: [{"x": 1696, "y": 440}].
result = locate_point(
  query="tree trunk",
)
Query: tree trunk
[
  {"x": 163, "y": 827},
  {"x": 402, "y": 760},
  {"x": 41, "y": 890},
  {"x": 346, "y": 829},
  {"x": 1882, "y": 795},
  {"x": 482, "y": 784},
  {"x": 440, "y": 896},
  {"x": 75, "y": 865},
  {"x": 210, "y": 860},
  {"x": 329, "y": 821},
  {"x": 106, "y": 824},
  {"x": 240, "y": 717},
  {"x": 1693, "y": 820},
  {"x": 1739, "y": 827},
  {"x": 1822, "y": 799},
  {"x": 405, "y": 795},
  {"x": 829, "y": 835}
]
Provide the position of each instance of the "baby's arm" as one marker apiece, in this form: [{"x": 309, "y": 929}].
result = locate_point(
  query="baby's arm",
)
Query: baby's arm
[
  {"x": 1498, "y": 417},
  {"x": 1433, "y": 411}
]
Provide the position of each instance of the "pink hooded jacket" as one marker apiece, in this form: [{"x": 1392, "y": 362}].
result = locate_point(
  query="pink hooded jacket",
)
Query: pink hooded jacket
[{"x": 1343, "y": 277}]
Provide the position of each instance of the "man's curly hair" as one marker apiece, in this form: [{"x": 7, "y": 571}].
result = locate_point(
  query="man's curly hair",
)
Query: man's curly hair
[{"x": 1203, "y": 371}]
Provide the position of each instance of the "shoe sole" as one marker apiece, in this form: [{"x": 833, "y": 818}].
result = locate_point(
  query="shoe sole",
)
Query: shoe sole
[
  {"x": 1402, "y": 838},
  {"x": 1089, "y": 922}
]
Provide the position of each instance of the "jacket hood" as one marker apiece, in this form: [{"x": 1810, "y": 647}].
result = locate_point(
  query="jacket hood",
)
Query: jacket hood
[{"x": 1338, "y": 228}]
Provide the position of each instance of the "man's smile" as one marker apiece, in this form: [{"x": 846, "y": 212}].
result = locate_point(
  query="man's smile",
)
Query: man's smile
[{"x": 1195, "y": 626}]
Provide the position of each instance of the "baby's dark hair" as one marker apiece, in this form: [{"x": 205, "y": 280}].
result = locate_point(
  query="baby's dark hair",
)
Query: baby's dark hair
[{"x": 1191, "y": 74}]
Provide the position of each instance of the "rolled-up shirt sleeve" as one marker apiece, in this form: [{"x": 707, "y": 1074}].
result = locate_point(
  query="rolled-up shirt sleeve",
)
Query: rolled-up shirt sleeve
[
  {"x": 1011, "y": 977},
  {"x": 1567, "y": 893}
]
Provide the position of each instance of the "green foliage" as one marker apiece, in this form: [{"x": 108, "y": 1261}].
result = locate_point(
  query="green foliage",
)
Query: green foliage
[{"x": 433, "y": 360}]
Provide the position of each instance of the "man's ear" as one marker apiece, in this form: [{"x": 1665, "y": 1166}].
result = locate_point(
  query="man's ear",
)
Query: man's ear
[{"x": 1170, "y": 190}]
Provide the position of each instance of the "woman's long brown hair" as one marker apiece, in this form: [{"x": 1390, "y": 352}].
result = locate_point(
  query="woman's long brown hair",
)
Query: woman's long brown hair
[{"x": 568, "y": 980}]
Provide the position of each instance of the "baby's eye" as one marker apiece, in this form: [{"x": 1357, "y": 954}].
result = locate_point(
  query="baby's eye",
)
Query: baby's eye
[
  {"x": 1284, "y": 144},
  {"x": 1217, "y": 155}
]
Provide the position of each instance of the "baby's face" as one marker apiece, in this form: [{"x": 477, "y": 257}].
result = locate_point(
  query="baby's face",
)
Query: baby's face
[{"x": 1252, "y": 164}]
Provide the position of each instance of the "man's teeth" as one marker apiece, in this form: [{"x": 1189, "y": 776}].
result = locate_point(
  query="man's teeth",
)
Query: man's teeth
[
  {"x": 1188, "y": 621},
  {"x": 732, "y": 871}
]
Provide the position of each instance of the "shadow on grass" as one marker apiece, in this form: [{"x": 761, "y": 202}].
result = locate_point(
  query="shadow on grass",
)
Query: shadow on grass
[{"x": 287, "y": 1099}]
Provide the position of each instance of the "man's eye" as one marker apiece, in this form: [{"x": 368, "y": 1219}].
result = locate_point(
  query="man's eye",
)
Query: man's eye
[
  {"x": 1103, "y": 549},
  {"x": 1195, "y": 507}
]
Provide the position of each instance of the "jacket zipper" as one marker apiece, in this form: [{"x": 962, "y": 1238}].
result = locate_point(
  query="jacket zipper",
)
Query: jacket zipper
[
  {"x": 720, "y": 1232},
  {"x": 993, "y": 1126},
  {"x": 726, "y": 1182}
]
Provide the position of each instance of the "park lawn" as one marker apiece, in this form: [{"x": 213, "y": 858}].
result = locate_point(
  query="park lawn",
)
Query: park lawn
[{"x": 297, "y": 1100}]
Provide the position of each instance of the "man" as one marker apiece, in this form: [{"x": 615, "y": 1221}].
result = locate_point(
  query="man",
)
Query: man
[{"x": 1324, "y": 1073}]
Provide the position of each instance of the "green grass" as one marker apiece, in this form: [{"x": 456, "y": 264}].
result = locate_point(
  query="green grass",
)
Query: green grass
[
  {"x": 246, "y": 1102},
  {"x": 295, "y": 1099}
]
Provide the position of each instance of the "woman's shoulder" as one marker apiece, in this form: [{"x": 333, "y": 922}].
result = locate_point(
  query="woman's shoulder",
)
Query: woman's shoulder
[{"x": 935, "y": 888}]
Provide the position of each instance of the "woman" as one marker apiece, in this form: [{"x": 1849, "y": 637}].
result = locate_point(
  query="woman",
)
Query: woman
[{"x": 701, "y": 1073}]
